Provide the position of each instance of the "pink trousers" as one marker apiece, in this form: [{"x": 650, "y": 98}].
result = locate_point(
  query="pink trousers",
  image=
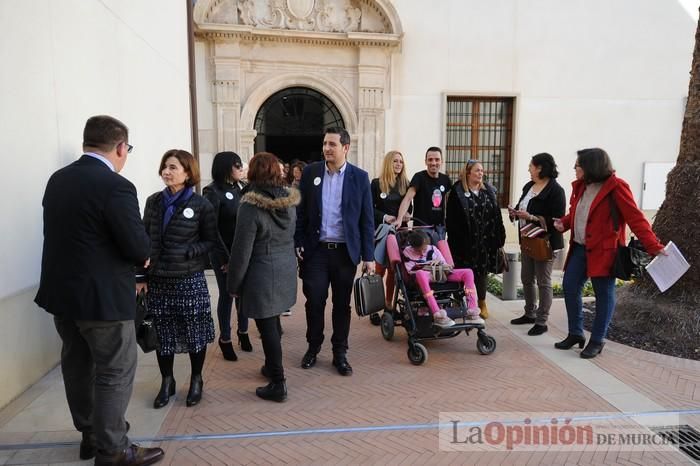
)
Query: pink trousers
[{"x": 463, "y": 276}]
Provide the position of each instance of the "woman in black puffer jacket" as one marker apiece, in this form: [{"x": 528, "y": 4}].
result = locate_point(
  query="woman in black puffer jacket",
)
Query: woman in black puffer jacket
[
  {"x": 224, "y": 193},
  {"x": 183, "y": 231}
]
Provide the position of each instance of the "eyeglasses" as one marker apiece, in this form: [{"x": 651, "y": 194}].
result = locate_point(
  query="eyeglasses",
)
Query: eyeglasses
[{"x": 129, "y": 148}]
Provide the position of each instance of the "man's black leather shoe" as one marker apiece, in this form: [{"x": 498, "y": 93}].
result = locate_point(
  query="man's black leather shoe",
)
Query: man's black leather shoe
[
  {"x": 309, "y": 359},
  {"x": 341, "y": 363},
  {"x": 134, "y": 455}
]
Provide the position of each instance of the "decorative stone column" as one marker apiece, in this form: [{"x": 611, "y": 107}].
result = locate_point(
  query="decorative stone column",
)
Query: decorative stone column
[
  {"x": 373, "y": 70},
  {"x": 228, "y": 109},
  {"x": 226, "y": 94}
]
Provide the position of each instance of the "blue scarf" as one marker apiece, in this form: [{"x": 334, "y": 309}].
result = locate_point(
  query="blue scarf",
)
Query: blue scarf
[{"x": 172, "y": 201}]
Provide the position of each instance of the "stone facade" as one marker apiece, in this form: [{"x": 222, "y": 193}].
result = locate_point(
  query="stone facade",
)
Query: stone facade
[{"x": 340, "y": 48}]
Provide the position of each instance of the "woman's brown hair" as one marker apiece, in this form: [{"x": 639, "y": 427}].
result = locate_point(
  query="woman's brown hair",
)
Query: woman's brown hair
[
  {"x": 596, "y": 165},
  {"x": 188, "y": 163},
  {"x": 264, "y": 170}
]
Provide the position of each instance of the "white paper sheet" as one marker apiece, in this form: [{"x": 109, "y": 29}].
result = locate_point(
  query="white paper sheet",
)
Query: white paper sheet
[{"x": 666, "y": 270}]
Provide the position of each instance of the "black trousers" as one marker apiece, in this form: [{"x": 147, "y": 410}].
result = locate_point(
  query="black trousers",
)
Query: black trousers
[
  {"x": 269, "y": 329},
  {"x": 98, "y": 362},
  {"x": 328, "y": 267}
]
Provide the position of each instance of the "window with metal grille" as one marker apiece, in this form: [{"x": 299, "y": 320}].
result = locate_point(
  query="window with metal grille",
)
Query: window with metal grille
[{"x": 481, "y": 128}]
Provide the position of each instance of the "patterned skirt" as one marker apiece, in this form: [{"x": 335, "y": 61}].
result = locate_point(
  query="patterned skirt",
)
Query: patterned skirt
[{"x": 181, "y": 313}]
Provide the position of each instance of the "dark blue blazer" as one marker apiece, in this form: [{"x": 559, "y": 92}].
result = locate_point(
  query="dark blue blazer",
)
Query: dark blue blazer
[
  {"x": 358, "y": 214},
  {"x": 93, "y": 238}
]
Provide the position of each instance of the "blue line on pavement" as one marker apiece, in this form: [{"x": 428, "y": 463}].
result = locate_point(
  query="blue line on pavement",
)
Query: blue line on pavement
[{"x": 345, "y": 430}]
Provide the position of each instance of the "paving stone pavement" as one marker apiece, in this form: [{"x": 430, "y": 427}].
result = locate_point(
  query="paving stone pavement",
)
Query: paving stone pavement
[{"x": 386, "y": 413}]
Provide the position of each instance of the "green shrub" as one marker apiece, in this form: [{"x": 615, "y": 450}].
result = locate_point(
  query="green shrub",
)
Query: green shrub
[{"x": 495, "y": 287}]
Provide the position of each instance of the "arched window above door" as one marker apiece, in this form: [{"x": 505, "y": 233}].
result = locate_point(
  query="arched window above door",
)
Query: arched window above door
[{"x": 290, "y": 123}]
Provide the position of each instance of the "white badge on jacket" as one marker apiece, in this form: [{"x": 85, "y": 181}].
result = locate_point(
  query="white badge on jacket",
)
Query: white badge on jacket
[
  {"x": 229, "y": 196},
  {"x": 188, "y": 213}
]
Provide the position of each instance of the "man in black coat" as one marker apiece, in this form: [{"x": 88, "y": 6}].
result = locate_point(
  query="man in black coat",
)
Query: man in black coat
[{"x": 93, "y": 238}]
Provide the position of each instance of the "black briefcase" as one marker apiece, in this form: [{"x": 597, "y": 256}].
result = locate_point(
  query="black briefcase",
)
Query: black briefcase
[{"x": 369, "y": 294}]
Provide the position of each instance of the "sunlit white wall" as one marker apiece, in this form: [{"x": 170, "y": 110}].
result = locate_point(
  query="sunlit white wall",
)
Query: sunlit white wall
[
  {"x": 62, "y": 62},
  {"x": 585, "y": 73}
]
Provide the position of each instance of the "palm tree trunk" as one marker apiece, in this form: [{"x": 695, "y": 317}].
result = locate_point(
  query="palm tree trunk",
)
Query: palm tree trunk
[{"x": 678, "y": 217}]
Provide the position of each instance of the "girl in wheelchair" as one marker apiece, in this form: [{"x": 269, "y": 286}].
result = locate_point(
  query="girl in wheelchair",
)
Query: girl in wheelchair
[{"x": 419, "y": 257}]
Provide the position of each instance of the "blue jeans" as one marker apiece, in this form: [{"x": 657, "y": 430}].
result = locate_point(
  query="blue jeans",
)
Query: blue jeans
[
  {"x": 224, "y": 307},
  {"x": 604, "y": 287}
]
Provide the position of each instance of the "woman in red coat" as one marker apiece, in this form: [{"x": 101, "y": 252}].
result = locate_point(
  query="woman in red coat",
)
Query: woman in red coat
[{"x": 593, "y": 244}]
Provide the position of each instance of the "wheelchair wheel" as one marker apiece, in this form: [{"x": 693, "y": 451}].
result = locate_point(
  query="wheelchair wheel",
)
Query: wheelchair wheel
[
  {"x": 417, "y": 354},
  {"x": 486, "y": 344},
  {"x": 387, "y": 321},
  {"x": 375, "y": 319}
]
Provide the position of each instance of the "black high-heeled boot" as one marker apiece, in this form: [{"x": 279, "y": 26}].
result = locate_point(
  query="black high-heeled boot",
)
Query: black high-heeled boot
[
  {"x": 274, "y": 391},
  {"x": 167, "y": 389},
  {"x": 570, "y": 341},
  {"x": 592, "y": 349},
  {"x": 194, "y": 395},
  {"x": 244, "y": 342},
  {"x": 227, "y": 350}
]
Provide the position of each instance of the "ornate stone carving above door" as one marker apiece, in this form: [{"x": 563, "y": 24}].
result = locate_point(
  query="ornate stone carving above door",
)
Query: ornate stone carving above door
[{"x": 303, "y": 15}]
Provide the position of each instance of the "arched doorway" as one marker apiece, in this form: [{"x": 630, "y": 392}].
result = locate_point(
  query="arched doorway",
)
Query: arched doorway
[{"x": 290, "y": 123}]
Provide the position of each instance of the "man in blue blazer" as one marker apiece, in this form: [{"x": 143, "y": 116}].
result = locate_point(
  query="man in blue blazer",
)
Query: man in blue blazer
[{"x": 334, "y": 231}]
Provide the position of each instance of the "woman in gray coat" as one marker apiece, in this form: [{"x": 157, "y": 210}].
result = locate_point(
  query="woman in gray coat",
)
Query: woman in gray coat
[{"x": 263, "y": 270}]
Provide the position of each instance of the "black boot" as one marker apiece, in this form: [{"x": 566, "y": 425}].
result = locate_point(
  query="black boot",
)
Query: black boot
[
  {"x": 227, "y": 350},
  {"x": 274, "y": 391},
  {"x": 244, "y": 342},
  {"x": 167, "y": 389},
  {"x": 537, "y": 329},
  {"x": 570, "y": 341},
  {"x": 194, "y": 396},
  {"x": 524, "y": 319},
  {"x": 592, "y": 349}
]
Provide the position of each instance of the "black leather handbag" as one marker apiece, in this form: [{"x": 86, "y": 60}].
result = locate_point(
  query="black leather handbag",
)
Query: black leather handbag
[
  {"x": 145, "y": 331},
  {"x": 630, "y": 260},
  {"x": 369, "y": 294}
]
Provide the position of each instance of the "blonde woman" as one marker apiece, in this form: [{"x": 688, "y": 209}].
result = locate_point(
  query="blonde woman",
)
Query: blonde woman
[
  {"x": 475, "y": 228},
  {"x": 387, "y": 193}
]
